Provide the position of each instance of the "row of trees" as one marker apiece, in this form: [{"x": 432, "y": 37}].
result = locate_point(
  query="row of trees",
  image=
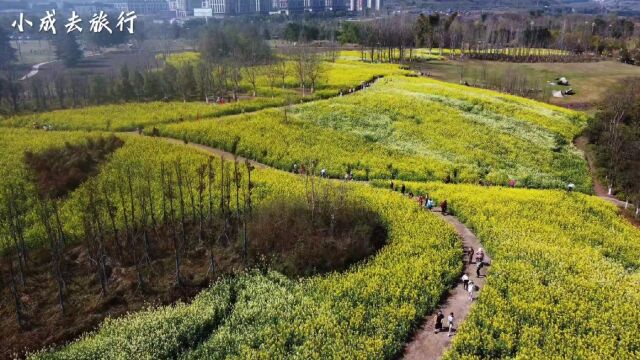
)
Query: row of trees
[
  {"x": 149, "y": 221},
  {"x": 233, "y": 60},
  {"x": 232, "y": 63},
  {"x": 126, "y": 223},
  {"x": 615, "y": 131},
  {"x": 486, "y": 36}
]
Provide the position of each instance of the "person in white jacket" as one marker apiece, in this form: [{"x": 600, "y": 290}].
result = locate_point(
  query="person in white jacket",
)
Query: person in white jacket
[
  {"x": 465, "y": 281},
  {"x": 451, "y": 323}
]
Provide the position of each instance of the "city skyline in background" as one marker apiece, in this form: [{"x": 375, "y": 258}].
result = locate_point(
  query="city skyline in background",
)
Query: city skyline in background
[{"x": 192, "y": 8}]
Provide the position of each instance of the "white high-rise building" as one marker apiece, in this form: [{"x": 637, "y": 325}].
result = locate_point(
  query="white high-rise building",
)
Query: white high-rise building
[
  {"x": 236, "y": 7},
  {"x": 141, "y": 7},
  {"x": 219, "y": 7},
  {"x": 363, "y": 5}
]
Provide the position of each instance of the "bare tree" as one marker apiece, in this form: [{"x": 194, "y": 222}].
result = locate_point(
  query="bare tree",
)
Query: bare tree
[{"x": 271, "y": 73}]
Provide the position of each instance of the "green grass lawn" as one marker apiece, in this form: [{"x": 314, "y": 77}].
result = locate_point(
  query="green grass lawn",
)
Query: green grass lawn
[
  {"x": 590, "y": 80},
  {"x": 34, "y": 51}
]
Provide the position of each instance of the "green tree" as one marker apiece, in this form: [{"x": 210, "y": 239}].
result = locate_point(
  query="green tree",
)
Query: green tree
[
  {"x": 153, "y": 85},
  {"x": 615, "y": 130},
  {"x": 67, "y": 50},
  {"x": 169, "y": 81},
  {"x": 292, "y": 31},
  {"x": 425, "y": 30},
  {"x": 350, "y": 34},
  {"x": 187, "y": 82},
  {"x": 138, "y": 85},
  {"x": 7, "y": 52},
  {"x": 625, "y": 56},
  {"x": 99, "y": 93},
  {"x": 125, "y": 89}
]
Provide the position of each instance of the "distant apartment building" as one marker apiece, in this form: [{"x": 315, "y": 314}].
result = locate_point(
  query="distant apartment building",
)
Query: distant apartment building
[
  {"x": 141, "y": 7},
  {"x": 181, "y": 8},
  {"x": 87, "y": 8},
  {"x": 218, "y": 8},
  {"x": 245, "y": 7},
  {"x": 232, "y": 7},
  {"x": 364, "y": 5},
  {"x": 13, "y": 5},
  {"x": 214, "y": 7},
  {"x": 314, "y": 5},
  {"x": 335, "y": 5},
  {"x": 41, "y": 7},
  {"x": 295, "y": 6}
]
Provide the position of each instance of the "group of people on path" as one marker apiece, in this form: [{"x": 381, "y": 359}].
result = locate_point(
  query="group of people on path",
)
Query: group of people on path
[
  {"x": 469, "y": 286},
  {"x": 45, "y": 127},
  {"x": 424, "y": 201},
  {"x": 302, "y": 170},
  {"x": 450, "y": 323},
  {"x": 362, "y": 86}
]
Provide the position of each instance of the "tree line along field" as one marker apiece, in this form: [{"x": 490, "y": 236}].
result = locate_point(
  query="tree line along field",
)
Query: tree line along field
[
  {"x": 338, "y": 76},
  {"x": 564, "y": 271},
  {"x": 592, "y": 81},
  {"x": 426, "y": 54},
  {"x": 410, "y": 128},
  {"x": 340, "y": 71}
]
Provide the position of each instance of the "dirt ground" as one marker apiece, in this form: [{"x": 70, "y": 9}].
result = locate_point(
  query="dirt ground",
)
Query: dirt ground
[
  {"x": 590, "y": 80},
  {"x": 426, "y": 344},
  {"x": 108, "y": 64},
  {"x": 85, "y": 306}
]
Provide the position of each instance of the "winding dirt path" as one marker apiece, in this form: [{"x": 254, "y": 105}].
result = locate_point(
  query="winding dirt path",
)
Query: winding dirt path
[
  {"x": 581, "y": 144},
  {"x": 35, "y": 70},
  {"x": 225, "y": 155},
  {"x": 426, "y": 344}
]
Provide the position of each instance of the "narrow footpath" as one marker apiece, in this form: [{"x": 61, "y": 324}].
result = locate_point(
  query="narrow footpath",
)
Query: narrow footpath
[
  {"x": 35, "y": 70},
  {"x": 426, "y": 344},
  {"x": 581, "y": 144},
  {"x": 225, "y": 155}
]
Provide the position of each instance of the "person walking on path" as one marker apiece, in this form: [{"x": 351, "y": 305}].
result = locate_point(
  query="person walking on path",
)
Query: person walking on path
[
  {"x": 451, "y": 324},
  {"x": 429, "y": 204},
  {"x": 479, "y": 266},
  {"x": 438, "y": 321},
  {"x": 469, "y": 253},
  {"x": 403, "y": 189},
  {"x": 465, "y": 281},
  {"x": 479, "y": 261},
  {"x": 444, "y": 206},
  {"x": 471, "y": 287}
]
